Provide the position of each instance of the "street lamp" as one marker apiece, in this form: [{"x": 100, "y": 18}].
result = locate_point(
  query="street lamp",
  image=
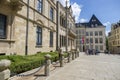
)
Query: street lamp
[{"x": 67, "y": 25}]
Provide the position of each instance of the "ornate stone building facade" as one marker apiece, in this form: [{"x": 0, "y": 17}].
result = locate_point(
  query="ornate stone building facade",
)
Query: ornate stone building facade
[
  {"x": 91, "y": 35},
  {"x": 65, "y": 30},
  {"x": 114, "y": 39},
  {"x": 27, "y": 26}
]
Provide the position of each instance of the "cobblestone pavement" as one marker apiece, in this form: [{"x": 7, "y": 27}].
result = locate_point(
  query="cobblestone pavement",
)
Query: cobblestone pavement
[
  {"x": 99, "y": 67},
  {"x": 86, "y": 67}
]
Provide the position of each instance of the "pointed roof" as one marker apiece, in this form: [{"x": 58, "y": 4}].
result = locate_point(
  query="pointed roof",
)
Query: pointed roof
[{"x": 94, "y": 21}]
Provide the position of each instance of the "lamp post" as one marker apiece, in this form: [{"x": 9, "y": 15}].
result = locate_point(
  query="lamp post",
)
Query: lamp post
[{"x": 66, "y": 26}]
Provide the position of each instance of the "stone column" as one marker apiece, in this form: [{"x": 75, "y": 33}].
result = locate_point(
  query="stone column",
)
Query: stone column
[
  {"x": 47, "y": 63},
  {"x": 4, "y": 71}
]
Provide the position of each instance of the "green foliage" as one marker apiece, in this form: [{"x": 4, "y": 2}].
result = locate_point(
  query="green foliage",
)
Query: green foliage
[{"x": 24, "y": 63}]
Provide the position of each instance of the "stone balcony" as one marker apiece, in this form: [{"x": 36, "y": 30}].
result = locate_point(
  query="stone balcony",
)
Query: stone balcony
[
  {"x": 72, "y": 33},
  {"x": 15, "y": 5}
]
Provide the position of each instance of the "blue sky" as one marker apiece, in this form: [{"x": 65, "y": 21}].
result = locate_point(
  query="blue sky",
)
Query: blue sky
[{"x": 107, "y": 11}]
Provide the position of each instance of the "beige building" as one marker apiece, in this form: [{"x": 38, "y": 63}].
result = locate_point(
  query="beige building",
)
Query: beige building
[
  {"x": 27, "y": 26},
  {"x": 91, "y": 35},
  {"x": 114, "y": 39},
  {"x": 65, "y": 33}
]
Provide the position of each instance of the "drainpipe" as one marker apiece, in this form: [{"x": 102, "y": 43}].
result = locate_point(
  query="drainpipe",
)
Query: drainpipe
[{"x": 27, "y": 26}]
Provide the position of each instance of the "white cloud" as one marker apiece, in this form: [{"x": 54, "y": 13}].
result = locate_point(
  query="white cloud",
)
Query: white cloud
[
  {"x": 107, "y": 24},
  {"x": 83, "y": 20},
  {"x": 75, "y": 7},
  {"x": 107, "y": 31},
  {"x": 76, "y": 11}
]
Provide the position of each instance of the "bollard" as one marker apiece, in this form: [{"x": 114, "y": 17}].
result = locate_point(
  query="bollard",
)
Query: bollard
[
  {"x": 47, "y": 63},
  {"x": 73, "y": 55},
  {"x": 4, "y": 71},
  {"x": 69, "y": 54},
  {"x": 61, "y": 58}
]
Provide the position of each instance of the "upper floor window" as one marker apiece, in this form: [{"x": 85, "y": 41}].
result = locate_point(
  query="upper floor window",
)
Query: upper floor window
[
  {"x": 91, "y": 33},
  {"x": 39, "y": 35},
  {"x": 39, "y": 5},
  {"x": 100, "y": 33},
  {"x": 87, "y": 33},
  {"x": 2, "y": 26},
  {"x": 51, "y": 39},
  {"x": 101, "y": 40},
  {"x": 91, "y": 40},
  {"x": 51, "y": 13},
  {"x": 96, "y": 33},
  {"x": 96, "y": 40}
]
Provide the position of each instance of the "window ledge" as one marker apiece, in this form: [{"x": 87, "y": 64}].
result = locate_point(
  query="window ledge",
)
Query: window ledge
[
  {"x": 38, "y": 46},
  {"x": 7, "y": 40}
]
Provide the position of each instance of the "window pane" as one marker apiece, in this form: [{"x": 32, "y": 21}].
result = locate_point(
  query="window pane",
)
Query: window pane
[
  {"x": 51, "y": 13},
  {"x": 87, "y": 33},
  {"x": 2, "y": 26},
  {"x": 96, "y": 33},
  {"x": 91, "y": 33},
  {"x": 39, "y": 35},
  {"x": 51, "y": 38},
  {"x": 96, "y": 40},
  {"x": 101, "y": 40},
  {"x": 100, "y": 33},
  {"x": 39, "y": 6}
]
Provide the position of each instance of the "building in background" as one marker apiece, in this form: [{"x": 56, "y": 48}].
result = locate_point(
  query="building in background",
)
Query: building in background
[
  {"x": 65, "y": 31},
  {"x": 114, "y": 39},
  {"x": 91, "y": 35},
  {"x": 27, "y": 26}
]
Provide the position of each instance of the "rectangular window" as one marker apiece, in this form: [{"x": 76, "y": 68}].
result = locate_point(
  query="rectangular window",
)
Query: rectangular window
[
  {"x": 100, "y": 33},
  {"x": 51, "y": 39},
  {"x": 96, "y": 40},
  {"x": 51, "y": 13},
  {"x": 87, "y": 40},
  {"x": 39, "y": 5},
  {"x": 91, "y": 33},
  {"x": 101, "y": 47},
  {"x": 91, "y": 40},
  {"x": 96, "y": 33},
  {"x": 2, "y": 26},
  {"x": 96, "y": 47},
  {"x": 87, "y": 33},
  {"x": 101, "y": 40},
  {"x": 39, "y": 35}
]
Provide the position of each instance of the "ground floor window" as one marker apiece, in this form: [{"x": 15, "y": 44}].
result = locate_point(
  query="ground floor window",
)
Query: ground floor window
[
  {"x": 39, "y": 35},
  {"x": 2, "y": 26},
  {"x": 51, "y": 39}
]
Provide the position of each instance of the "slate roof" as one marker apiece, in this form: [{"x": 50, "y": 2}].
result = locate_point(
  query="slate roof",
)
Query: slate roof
[{"x": 94, "y": 22}]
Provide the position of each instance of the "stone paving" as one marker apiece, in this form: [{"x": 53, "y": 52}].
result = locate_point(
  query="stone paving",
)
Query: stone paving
[{"x": 86, "y": 67}]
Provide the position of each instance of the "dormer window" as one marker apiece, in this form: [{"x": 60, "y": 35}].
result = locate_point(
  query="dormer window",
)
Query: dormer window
[
  {"x": 96, "y": 25},
  {"x": 92, "y": 25},
  {"x": 93, "y": 20}
]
